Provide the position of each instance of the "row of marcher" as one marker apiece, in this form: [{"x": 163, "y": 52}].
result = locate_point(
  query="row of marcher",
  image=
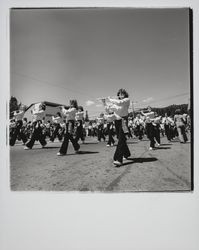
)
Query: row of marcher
[{"x": 69, "y": 125}]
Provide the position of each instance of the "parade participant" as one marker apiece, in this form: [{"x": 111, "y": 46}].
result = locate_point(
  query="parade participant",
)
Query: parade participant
[
  {"x": 167, "y": 121},
  {"x": 70, "y": 116},
  {"x": 16, "y": 131},
  {"x": 38, "y": 114},
  {"x": 48, "y": 129},
  {"x": 56, "y": 123},
  {"x": 138, "y": 127},
  {"x": 79, "y": 117},
  {"x": 110, "y": 118},
  {"x": 100, "y": 127},
  {"x": 180, "y": 124},
  {"x": 12, "y": 126},
  {"x": 24, "y": 130},
  {"x": 90, "y": 129},
  {"x": 63, "y": 125},
  {"x": 149, "y": 117},
  {"x": 120, "y": 108},
  {"x": 156, "y": 125}
]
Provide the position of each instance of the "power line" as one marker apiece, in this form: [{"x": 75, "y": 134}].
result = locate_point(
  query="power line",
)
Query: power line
[{"x": 54, "y": 85}]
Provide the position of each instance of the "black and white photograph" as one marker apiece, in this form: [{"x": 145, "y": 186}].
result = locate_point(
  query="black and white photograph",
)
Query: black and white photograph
[
  {"x": 101, "y": 99},
  {"x": 99, "y": 125}
]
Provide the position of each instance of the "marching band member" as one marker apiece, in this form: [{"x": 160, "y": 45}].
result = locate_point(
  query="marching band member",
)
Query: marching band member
[
  {"x": 16, "y": 131},
  {"x": 120, "y": 108},
  {"x": 167, "y": 121},
  {"x": 180, "y": 124},
  {"x": 38, "y": 114},
  {"x": 149, "y": 117},
  {"x": 110, "y": 118},
  {"x": 138, "y": 127},
  {"x": 70, "y": 115},
  {"x": 79, "y": 117},
  {"x": 100, "y": 127},
  {"x": 156, "y": 125},
  {"x": 56, "y": 122}
]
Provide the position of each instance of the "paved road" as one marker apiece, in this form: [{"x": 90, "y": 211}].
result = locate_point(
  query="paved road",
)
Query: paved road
[{"x": 168, "y": 168}]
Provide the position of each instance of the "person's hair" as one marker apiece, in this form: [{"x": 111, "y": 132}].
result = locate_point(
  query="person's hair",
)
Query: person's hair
[
  {"x": 149, "y": 108},
  {"x": 80, "y": 108},
  {"x": 59, "y": 114},
  {"x": 124, "y": 92},
  {"x": 73, "y": 103},
  {"x": 177, "y": 111}
]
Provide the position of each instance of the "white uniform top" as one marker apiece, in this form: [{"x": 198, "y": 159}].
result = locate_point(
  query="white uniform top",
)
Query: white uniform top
[
  {"x": 110, "y": 118},
  {"x": 157, "y": 120},
  {"x": 79, "y": 116},
  {"x": 18, "y": 115},
  {"x": 69, "y": 113},
  {"x": 100, "y": 120},
  {"x": 56, "y": 119},
  {"x": 149, "y": 116},
  {"x": 120, "y": 107},
  {"x": 38, "y": 115},
  {"x": 138, "y": 121},
  {"x": 167, "y": 120}
]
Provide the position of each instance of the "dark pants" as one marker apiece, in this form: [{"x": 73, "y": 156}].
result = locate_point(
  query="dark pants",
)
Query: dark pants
[
  {"x": 122, "y": 149},
  {"x": 139, "y": 132},
  {"x": 56, "y": 133},
  {"x": 17, "y": 132},
  {"x": 37, "y": 135},
  {"x": 110, "y": 133},
  {"x": 182, "y": 133},
  {"x": 100, "y": 132},
  {"x": 79, "y": 132},
  {"x": 168, "y": 131},
  {"x": 150, "y": 134},
  {"x": 157, "y": 132},
  {"x": 69, "y": 136}
]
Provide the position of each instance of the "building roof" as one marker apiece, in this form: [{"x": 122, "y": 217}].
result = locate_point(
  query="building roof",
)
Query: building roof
[{"x": 51, "y": 104}]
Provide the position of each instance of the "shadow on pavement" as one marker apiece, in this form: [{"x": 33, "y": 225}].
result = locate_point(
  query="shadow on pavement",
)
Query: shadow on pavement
[
  {"x": 162, "y": 148},
  {"x": 132, "y": 142},
  {"x": 87, "y": 143},
  {"x": 87, "y": 152},
  {"x": 138, "y": 160},
  {"x": 84, "y": 152},
  {"x": 166, "y": 144},
  {"x": 49, "y": 147},
  {"x": 142, "y": 159}
]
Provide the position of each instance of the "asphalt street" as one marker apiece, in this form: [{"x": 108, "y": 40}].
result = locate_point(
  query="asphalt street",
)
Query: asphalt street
[{"x": 167, "y": 168}]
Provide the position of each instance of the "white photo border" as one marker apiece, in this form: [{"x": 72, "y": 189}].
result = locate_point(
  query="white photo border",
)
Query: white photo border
[{"x": 55, "y": 220}]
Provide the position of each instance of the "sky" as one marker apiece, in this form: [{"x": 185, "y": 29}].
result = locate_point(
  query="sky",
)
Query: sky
[{"x": 62, "y": 54}]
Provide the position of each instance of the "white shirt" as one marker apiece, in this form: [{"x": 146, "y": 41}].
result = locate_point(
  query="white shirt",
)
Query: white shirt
[
  {"x": 69, "y": 113},
  {"x": 79, "y": 116},
  {"x": 100, "y": 120},
  {"x": 157, "y": 120},
  {"x": 167, "y": 120},
  {"x": 110, "y": 118},
  {"x": 56, "y": 119},
  {"x": 38, "y": 115},
  {"x": 120, "y": 107}
]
